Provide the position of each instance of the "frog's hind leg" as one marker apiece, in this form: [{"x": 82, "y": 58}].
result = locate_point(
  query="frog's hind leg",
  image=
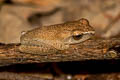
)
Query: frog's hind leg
[{"x": 39, "y": 49}]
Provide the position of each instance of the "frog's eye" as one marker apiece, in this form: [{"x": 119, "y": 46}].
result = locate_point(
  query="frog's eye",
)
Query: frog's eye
[{"x": 77, "y": 37}]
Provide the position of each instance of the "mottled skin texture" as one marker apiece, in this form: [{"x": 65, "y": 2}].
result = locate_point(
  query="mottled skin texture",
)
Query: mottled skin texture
[{"x": 52, "y": 38}]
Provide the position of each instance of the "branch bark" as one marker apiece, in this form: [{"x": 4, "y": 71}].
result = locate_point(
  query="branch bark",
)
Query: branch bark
[
  {"x": 33, "y": 76},
  {"x": 91, "y": 49}
]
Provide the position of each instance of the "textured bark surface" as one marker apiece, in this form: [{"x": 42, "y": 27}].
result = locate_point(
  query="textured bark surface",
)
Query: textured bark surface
[
  {"x": 33, "y": 76},
  {"x": 91, "y": 49}
]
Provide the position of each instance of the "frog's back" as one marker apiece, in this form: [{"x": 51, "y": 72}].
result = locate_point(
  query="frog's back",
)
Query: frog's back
[{"x": 54, "y": 32}]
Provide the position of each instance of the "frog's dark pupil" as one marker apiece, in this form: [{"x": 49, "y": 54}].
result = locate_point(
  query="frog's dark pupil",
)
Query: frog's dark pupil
[{"x": 77, "y": 37}]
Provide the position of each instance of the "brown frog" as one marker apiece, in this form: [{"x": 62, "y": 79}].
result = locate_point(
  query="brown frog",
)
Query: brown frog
[{"x": 50, "y": 39}]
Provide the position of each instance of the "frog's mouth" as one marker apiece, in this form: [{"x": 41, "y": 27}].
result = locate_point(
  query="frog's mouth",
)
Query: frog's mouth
[{"x": 74, "y": 39}]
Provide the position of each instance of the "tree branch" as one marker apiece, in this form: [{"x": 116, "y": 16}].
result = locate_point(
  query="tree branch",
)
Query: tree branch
[
  {"x": 90, "y": 49},
  {"x": 34, "y": 76}
]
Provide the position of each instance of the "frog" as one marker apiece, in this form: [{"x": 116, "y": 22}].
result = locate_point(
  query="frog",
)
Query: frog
[{"x": 58, "y": 37}]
